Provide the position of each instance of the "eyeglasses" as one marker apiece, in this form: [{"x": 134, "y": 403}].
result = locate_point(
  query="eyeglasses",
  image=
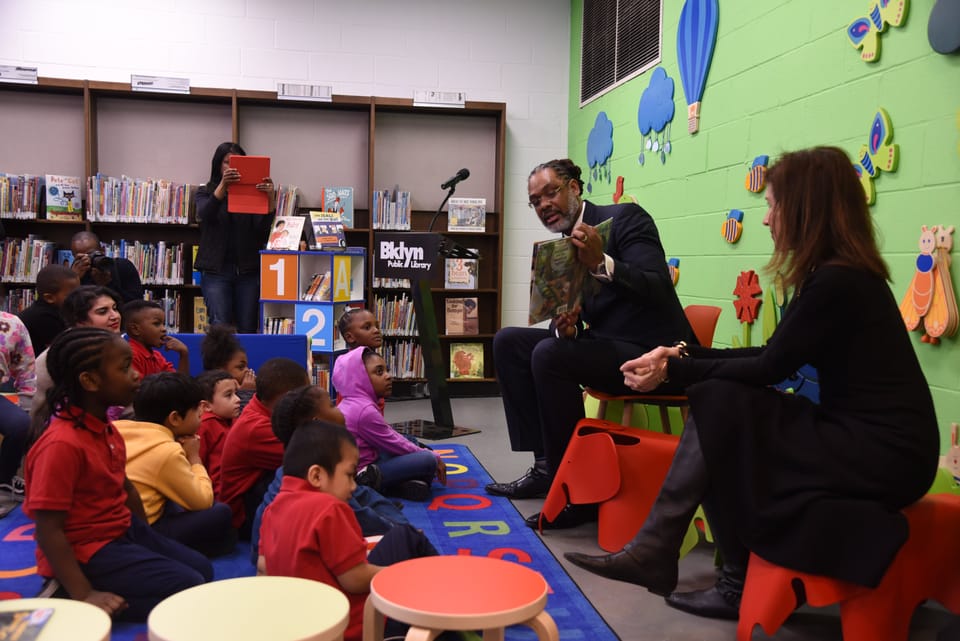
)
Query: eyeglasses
[{"x": 549, "y": 193}]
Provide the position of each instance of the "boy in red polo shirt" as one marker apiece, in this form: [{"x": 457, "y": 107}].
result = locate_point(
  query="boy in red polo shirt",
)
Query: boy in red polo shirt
[
  {"x": 146, "y": 329},
  {"x": 218, "y": 410},
  {"x": 90, "y": 528},
  {"x": 310, "y": 531},
  {"x": 251, "y": 452}
]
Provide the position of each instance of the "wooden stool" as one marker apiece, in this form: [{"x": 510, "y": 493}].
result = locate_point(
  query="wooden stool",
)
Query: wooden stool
[
  {"x": 924, "y": 568},
  {"x": 252, "y": 608},
  {"x": 438, "y": 593},
  {"x": 73, "y": 620}
]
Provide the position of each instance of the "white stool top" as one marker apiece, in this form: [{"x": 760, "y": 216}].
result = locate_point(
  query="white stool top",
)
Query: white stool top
[
  {"x": 74, "y": 620},
  {"x": 252, "y": 608}
]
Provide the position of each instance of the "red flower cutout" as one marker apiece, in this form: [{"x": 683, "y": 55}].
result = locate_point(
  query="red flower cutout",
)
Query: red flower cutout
[{"x": 748, "y": 286}]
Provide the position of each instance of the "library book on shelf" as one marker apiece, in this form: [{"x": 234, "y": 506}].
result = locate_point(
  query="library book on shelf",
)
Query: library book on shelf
[
  {"x": 339, "y": 200},
  {"x": 467, "y": 214},
  {"x": 466, "y": 360},
  {"x": 461, "y": 316},
  {"x": 64, "y": 198},
  {"x": 461, "y": 273},
  {"x": 285, "y": 233}
]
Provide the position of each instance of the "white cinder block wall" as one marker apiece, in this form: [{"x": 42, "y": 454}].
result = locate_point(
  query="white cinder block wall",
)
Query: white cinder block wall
[{"x": 511, "y": 51}]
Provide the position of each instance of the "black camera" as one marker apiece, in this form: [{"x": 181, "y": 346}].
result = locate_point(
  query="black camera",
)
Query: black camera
[{"x": 101, "y": 261}]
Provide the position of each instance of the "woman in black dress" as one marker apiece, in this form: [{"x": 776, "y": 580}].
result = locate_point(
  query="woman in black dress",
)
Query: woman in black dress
[{"x": 815, "y": 488}]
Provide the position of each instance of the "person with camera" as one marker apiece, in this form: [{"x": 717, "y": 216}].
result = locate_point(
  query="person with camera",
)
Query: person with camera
[{"x": 93, "y": 267}]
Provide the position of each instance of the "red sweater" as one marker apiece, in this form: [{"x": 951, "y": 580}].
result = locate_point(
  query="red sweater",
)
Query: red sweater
[{"x": 249, "y": 450}]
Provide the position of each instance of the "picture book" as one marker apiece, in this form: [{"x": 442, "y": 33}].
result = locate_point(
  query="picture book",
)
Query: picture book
[
  {"x": 557, "y": 278},
  {"x": 64, "y": 198},
  {"x": 23, "y": 625},
  {"x": 460, "y": 273},
  {"x": 339, "y": 200},
  {"x": 243, "y": 197},
  {"x": 285, "y": 233},
  {"x": 327, "y": 230},
  {"x": 200, "y": 320},
  {"x": 65, "y": 257},
  {"x": 467, "y": 214},
  {"x": 466, "y": 360},
  {"x": 461, "y": 317}
]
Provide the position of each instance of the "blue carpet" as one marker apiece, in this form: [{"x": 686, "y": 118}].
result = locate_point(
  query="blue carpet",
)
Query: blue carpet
[{"x": 461, "y": 519}]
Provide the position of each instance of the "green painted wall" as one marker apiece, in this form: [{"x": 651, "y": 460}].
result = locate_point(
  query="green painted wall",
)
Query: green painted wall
[{"x": 783, "y": 77}]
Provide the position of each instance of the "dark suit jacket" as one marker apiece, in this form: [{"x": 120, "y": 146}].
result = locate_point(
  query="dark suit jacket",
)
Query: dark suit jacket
[
  {"x": 124, "y": 280},
  {"x": 640, "y": 306}
]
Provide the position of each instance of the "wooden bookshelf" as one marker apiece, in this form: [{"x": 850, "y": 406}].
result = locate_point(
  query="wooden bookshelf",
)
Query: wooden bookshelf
[{"x": 79, "y": 127}]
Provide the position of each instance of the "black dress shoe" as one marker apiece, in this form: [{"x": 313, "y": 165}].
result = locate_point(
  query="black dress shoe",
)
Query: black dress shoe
[
  {"x": 710, "y": 603},
  {"x": 533, "y": 485},
  {"x": 659, "y": 574},
  {"x": 570, "y": 516}
]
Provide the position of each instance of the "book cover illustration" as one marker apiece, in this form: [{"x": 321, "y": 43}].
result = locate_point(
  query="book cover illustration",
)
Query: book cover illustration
[
  {"x": 339, "y": 200},
  {"x": 23, "y": 625},
  {"x": 65, "y": 257},
  {"x": 466, "y": 360},
  {"x": 461, "y": 317},
  {"x": 200, "y": 320},
  {"x": 243, "y": 197},
  {"x": 467, "y": 214},
  {"x": 286, "y": 232},
  {"x": 327, "y": 230},
  {"x": 460, "y": 273},
  {"x": 558, "y": 279},
  {"x": 64, "y": 198}
]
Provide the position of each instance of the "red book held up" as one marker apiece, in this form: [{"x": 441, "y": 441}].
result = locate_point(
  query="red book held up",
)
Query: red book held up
[{"x": 243, "y": 197}]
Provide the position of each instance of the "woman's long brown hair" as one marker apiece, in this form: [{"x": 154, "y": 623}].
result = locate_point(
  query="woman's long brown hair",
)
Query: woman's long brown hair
[{"x": 823, "y": 216}]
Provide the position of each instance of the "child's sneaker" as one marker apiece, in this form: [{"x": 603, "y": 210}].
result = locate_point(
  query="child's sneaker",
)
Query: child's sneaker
[
  {"x": 370, "y": 476},
  {"x": 15, "y": 489},
  {"x": 414, "y": 490},
  {"x": 51, "y": 588}
]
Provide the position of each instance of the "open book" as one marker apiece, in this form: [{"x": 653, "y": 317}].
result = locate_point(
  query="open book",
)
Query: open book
[{"x": 557, "y": 278}]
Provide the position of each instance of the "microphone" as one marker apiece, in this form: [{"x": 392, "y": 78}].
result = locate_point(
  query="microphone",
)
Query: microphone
[{"x": 463, "y": 174}]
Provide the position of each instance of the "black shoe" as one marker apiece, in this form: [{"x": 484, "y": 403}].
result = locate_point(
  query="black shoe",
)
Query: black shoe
[
  {"x": 570, "y": 516},
  {"x": 414, "y": 490},
  {"x": 659, "y": 575},
  {"x": 533, "y": 485},
  {"x": 370, "y": 476},
  {"x": 711, "y": 603}
]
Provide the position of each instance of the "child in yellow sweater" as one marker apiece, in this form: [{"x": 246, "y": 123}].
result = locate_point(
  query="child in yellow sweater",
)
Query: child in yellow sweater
[{"x": 163, "y": 462}]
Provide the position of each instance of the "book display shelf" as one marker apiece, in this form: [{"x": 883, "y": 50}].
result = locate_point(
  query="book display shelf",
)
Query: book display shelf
[{"x": 82, "y": 128}]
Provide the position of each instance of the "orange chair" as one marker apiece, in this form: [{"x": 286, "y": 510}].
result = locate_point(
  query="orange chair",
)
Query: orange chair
[
  {"x": 924, "y": 568},
  {"x": 703, "y": 320},
  {"x": 620, "y": 468}
]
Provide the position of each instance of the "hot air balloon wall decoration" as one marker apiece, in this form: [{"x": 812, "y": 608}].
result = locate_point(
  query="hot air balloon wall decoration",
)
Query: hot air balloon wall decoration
[
  {"x": 877, "y": 155},
  {"x": 655, "y": 114},
  {"x": 599, "y": 150},
  {"x": 673, "y": 266},
  {"x": 732, "y": 227},
  {"x": 696, "y": 37},
  {"x": 864, "y": 33},
  {"x": 756, "y": 180}
]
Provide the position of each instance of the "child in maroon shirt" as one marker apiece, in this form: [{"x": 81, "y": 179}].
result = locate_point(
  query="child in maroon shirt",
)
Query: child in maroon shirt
[
  {"x": 251, "y": 451},
  {"x": 146, "y": 329},
  {"x": 218, "y": 409},
  {"x": 90, "y": 528}
]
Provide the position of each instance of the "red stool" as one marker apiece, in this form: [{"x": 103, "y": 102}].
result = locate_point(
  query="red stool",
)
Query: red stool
[
  {"x": 924, "y": 568},
  {"x": 620, "y": 468}
]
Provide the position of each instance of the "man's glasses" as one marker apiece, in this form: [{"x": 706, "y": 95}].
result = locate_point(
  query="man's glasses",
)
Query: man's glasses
[{"x": 549, "y": 193}]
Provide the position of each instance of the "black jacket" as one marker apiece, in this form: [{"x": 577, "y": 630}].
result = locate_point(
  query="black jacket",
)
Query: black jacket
[{"x": 229, "y": 241}]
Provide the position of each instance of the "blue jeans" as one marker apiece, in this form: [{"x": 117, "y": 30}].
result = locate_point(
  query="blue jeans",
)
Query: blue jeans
[
  {"x": 14, "y": 423},
  {"x": 233, "y": 299},
  {"x": 396, "y": 468}
]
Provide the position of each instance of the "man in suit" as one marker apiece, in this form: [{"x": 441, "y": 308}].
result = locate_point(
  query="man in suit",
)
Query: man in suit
[
  {"x": 631, "y": 309},
  {"x": 94, "y": 268}
]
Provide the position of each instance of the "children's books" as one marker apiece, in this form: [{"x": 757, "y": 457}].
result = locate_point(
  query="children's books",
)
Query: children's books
[
  {"x": 466, "y": 360},
  {"x": 339, "y": 200},
  {"x": 326, "y": 230},
  {"x": 286, "y": 232},
  {"x": 64, "y": 198},
  {"x": 467, "y": 214},
  {"x": 461, "y": 316},
  {"x": 460, "y": 273}
]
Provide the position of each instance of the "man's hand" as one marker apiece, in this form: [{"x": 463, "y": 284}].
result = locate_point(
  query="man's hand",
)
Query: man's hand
[
  {"x": 565, "y": 324},
  {"x": 589, "y": 245},
  {"x": 81, "y": 265}
]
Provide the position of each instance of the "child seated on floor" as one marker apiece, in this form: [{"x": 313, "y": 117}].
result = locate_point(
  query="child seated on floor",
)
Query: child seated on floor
[
  {"x": 218, "y": 409},
  {"x": 146, "y": 328},
  {"x": 90, "y": 528},
  {"x": 163, "y": 462},
  {"x": 406, "y": 469},
  {"x": 251, "y": 452},
  {"x": 220, "y": 349},
  {"x": 17, "y": 376},
  {"x": 374, "y": 513},
  {"x": 309, "y": 531}
]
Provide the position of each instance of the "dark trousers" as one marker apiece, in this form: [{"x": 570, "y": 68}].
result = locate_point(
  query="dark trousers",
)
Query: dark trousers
[
  {"x": 14, "y": 423},
  {"x": 232, "y": 299},
  {"x": 145, "y": 567},
  {"x": 206, "y": 531},
  {"x": 542, "y": 379}
]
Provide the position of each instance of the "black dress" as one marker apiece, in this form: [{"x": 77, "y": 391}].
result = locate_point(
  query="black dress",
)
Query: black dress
[{"x": 819, "y": 488}]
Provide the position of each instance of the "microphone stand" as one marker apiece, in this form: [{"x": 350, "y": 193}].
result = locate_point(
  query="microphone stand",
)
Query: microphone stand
[{"x": 450, "y": 191}]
